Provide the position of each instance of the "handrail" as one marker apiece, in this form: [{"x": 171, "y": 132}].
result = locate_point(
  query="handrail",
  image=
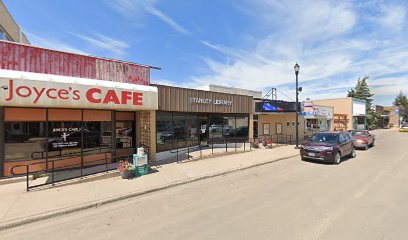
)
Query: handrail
[
  {"x": 213, "y": 142},
  {"x": 44, "y": 161},
  {"x": 65, "y": 167}
]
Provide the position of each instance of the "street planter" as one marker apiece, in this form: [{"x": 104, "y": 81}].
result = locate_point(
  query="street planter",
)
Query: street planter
[
  {"x": 255, "y": 144},
  {"x": 126, "y": 170},
  {"x": 127, "y": 174}
]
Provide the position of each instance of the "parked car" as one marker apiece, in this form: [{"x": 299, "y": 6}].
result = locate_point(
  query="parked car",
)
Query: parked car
[
  {"x": 363, "y": 138},
  {"x": 239, "y": 132},
  {"x": 328, "y": 147},
  {"x": 404, "y": 127},
  {"x": 218, "y": 128}
]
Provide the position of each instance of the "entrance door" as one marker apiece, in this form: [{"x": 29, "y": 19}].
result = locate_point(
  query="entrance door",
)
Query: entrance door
[
  {"x": 255, "y": 129},
  {"x": 203, "y": 129}
]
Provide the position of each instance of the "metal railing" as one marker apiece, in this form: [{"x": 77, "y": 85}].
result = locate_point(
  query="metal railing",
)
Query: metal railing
[
  {"x": 81, "y": 166},
  {"x": 211, "y": 144},
  {"x": 278, "y": 139}
]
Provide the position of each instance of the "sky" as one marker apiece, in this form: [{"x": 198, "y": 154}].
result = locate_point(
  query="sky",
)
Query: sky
[{"x": 250, "y": 44}]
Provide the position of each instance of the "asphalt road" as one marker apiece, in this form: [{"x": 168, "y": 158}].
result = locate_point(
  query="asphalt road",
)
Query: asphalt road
[{"x": 362, "y": 198}]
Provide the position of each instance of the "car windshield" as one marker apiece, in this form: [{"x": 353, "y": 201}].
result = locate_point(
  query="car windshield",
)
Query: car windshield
[
  {"x": 358, "y": 133},
  {"x": 330, "y": 138}
]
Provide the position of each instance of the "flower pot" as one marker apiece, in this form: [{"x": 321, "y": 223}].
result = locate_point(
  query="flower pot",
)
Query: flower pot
[{"x": 127, "y": 174}]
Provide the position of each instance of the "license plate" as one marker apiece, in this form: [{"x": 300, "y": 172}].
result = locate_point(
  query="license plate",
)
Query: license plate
[{"x": 312, "y": 154}]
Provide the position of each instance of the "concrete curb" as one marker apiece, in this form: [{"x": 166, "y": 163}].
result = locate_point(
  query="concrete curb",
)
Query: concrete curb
[{"x": 47, "y": 215}]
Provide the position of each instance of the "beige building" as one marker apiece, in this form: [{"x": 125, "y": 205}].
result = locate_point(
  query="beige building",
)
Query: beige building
[
  {"x": 395, "y": 114},
  {"x": 282, "y": 124},
  {"x": 276, "y": 119},
  {"x": 349, "y": 113},
  {"x": 9, "y": 29}
]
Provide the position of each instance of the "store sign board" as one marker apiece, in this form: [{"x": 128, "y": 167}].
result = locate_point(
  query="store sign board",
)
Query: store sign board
[
  {"x": 318, "y": 111},
  {"x": 359, "y": 108},
  {"x": 211, "y": 101},
  {"x": 275, "y": 106},
  {"x": 65, "y": 94}
]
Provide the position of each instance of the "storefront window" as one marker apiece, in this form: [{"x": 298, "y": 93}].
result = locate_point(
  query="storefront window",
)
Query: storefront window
[
  {"x": 228, "y": 127},
  {"x": 179, "y": 131},
  {"x": 164, "y": 129},
  {"x": 125, "y": 135},
  {"x": 241, "y": 127},
  {"x": 192, "y": 129},
  {"x": 64, "y": 138},
  {"x": 25, "y": 140},
  {"x": 97, "y": 137},
  {"x": 216, "y": 126}
]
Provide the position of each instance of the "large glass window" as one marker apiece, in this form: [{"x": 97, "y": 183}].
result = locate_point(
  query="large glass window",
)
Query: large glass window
[
  {"x": 25, "y": 140},
  {"x": 97, "y": 137},
  {"x": 179, "y": 130},
  {"x": 228, "y": 128},
  {"x": 192, "y": 129},
  {"x": 241, "y": 127},
  {"x": 64, "y": 138},
  {"x": 164, "y": 131},
  {"x": 125, "y": 134},
  {"x": 216, "y": 126}
]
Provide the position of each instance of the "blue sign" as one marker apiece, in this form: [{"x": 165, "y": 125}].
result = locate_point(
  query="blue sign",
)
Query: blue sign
[
  {"x": 275, "y": 106},
  {"x": 269, "y": 107}
]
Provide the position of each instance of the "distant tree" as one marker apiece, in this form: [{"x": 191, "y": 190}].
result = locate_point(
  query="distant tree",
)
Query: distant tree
[
  {"x": 362, "y": 91},
  {"x": 351, "y": 93},
  {"x": 401, "y": 101}
]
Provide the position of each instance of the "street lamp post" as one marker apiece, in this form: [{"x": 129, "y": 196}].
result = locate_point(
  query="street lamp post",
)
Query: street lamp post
[{"x": 296, "y": 68}]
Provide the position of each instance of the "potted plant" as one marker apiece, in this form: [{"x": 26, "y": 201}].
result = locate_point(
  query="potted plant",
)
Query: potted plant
[
  {"x": 269, "y": 143},
  {"x": 255, "y": 144},
  {"x": 126, "y": 170}
]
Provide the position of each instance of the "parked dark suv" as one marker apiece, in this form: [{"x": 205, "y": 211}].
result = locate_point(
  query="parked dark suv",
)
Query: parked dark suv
[{"x": 328, "y": 147}]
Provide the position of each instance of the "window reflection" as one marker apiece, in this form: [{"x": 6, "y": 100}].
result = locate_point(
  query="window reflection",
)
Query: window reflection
[
  {"x": 24, "y": 140},
  {"x": 124, "y": 134},
  {"x": 216, "y": 127},
  {"x": 241, "y": 127},
  {"x": 164, "y": 131},
  {"x": 176, "y": 130}
]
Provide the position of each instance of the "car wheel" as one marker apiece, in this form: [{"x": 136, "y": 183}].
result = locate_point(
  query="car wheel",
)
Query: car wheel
[
  {"x": 337, "y": 158},
  {"x": 353, "y": 153},
  {"x": 372, "y": 144}
]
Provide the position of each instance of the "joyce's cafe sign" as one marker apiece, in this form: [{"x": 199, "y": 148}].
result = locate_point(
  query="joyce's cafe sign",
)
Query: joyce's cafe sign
[{"x": 40, "y": 93}]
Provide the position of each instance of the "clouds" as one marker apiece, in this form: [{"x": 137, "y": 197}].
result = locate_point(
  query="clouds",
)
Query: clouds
[
  {"x": 100, "y": 42},
  {"x": 136, "y": 9},
  {"x": 333, "y": 41},
  {"x": 53, "y": 43},
  {"x": 90, "y": 44}
]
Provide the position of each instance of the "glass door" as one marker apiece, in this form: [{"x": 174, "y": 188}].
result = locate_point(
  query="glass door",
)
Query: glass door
[{"x": 203, "y": 129}]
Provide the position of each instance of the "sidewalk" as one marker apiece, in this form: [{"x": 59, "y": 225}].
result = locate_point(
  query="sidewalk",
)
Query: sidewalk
[{"x": 19, "y": 207}]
